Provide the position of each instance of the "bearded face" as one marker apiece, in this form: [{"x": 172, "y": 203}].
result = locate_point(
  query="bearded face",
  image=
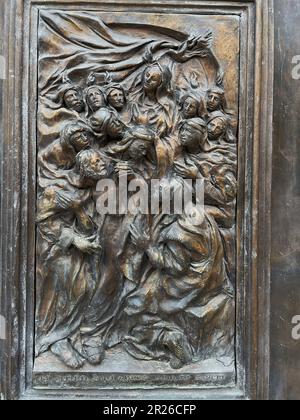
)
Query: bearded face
[
  {"x": 73, "y": 100},
  {"x": 93, "y": 167}
]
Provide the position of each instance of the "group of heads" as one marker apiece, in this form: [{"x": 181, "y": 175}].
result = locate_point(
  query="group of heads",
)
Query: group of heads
[
  {"x": 192, "y": 106},
  {"x": 79, "y": 138},
  {"x": 210, "y": 113},
  {"x": 196, "y": 132},
  {"x": 154, "y": 77},
  {"x": 136, "y": 143},
  {"x": 100, "y": 104},
  {"x": 94, "y": 98}
]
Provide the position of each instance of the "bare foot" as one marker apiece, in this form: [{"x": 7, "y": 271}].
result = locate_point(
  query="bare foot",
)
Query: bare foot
[
  {"x": 93, "y": 351},
  {"x": 66, "y": 354},
  {"x": 179, "y": 349},
  {"x": 176, "y": 363}
]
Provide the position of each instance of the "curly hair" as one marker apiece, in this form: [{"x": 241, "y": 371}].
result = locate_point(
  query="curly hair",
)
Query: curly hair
[{"x": 82, "y": 160}]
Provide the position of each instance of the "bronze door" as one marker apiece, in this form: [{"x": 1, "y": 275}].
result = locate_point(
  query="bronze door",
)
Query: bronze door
[{"x": 139, "y": 208}]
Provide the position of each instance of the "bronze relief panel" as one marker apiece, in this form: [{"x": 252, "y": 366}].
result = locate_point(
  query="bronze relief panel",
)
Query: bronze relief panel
[{"x": 132, "y": 106}]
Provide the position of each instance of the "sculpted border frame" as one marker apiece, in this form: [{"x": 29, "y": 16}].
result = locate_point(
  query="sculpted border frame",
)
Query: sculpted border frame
[{"x": 18, "y": 178}]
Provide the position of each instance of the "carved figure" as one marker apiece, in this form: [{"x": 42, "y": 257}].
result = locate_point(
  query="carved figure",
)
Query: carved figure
[{"x": 158, "y": 286}]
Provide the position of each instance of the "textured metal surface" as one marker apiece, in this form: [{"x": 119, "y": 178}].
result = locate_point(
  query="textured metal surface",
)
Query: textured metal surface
[
  {"x": 18, "y": 249},
  {"x": 285, "y": 292},
  {"x": 147, "y": 105}
]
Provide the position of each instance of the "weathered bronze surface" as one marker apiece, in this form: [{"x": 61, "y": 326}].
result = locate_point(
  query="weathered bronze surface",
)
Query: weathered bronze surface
[
  {"x": 285, "y": 250},
  {"x": 148, "y": 102},
  {"x": 126, "y": 305}
]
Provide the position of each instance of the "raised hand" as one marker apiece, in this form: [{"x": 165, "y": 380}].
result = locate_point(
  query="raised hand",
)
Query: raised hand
[
  {"x": 88, "y": 245},
  {"x": 123, "y": 168},
  {"x": 198, "y": 44}
]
